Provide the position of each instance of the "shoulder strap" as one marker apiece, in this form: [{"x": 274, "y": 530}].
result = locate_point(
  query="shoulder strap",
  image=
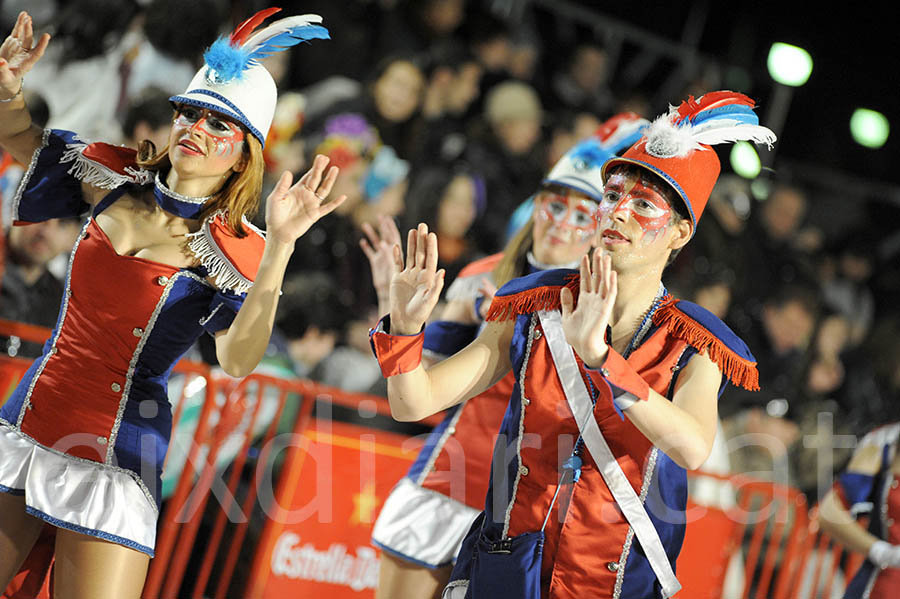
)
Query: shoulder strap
[
  {"x": 579, "y": 402},
  {"x": 109, "y": 199}
]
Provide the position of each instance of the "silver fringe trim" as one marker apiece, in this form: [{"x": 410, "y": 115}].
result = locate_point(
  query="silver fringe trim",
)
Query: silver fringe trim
[
  {"x": 218, "y": 267},
  {"x": 45, "y": 141},
  {"x": 96, "y": 174}
]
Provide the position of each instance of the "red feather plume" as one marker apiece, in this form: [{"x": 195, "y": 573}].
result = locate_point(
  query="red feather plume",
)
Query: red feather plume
[{"x": 243, "y": 31}]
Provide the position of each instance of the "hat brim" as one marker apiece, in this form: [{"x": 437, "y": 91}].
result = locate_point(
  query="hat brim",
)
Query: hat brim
[
  {"x": 202, "y": 98},
  {"x": 617, "y": 161}
]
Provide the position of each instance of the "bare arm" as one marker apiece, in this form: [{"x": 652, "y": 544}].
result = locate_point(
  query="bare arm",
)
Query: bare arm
[
  {"x": 685, "y": 427},
  {"x": 417, "y": 394},
  {"x": 290, "y": 212},
  {"x": 836, "y": 520},
  {"x": 18, "y": 54}
]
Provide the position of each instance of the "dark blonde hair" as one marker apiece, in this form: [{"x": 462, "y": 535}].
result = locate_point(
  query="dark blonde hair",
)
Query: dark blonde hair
[
  {"x": 514, "y": 261},
  {"x": 240, "y": 195}
]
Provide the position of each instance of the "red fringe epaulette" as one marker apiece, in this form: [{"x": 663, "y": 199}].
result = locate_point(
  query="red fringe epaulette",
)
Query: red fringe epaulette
[
  {"x": 737, "y": 369},
  {"x": 545, "y": 297}
]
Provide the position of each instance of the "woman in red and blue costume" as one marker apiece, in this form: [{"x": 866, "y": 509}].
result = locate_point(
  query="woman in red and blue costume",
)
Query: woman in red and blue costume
[
  {"x": 572, "y": 523},
  {"x": 166, "y": 254},
  {"x": 426, "y": 516},
  {"x": 869, "y": 485}
]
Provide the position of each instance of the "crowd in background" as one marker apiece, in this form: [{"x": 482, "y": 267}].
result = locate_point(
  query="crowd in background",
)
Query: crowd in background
[{"x": 442, "y": 111}]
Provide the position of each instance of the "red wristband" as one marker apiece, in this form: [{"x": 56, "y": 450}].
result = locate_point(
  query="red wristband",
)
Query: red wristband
[
  {"x": 396, "y": 354},
  {"x": 622, "y": 377}
]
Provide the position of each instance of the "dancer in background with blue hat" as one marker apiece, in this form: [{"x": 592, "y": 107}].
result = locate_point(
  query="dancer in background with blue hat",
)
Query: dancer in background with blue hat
[
  {"x": 426, "y": 516},
  {"x": 616, "y": 381},
  {"x": 166, "y": 254}
]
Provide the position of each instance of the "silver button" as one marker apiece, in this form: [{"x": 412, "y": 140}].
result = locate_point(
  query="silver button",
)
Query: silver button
[
  {"x": 889, "y": 522},
  {"x": 605, "y": 372},
  {"x": 53, "y": 351},
  {"x": 163, "y": 280},
  {"x": 451, "y": 430},
  {"x": 537, "y": 333},
  {"x": 612, "y": 566},
  {"x": 29, "y": 407},
  {"x": 69, "y": 292},
  {"x": 137, "y": 332},
  {"x": 895, "y": 483},
  {"x": 523, "y": 470},
  {"x": 116, "y": 387},
  {"x": 101, "y": 440},
  {"x": 526, "y": 401}
]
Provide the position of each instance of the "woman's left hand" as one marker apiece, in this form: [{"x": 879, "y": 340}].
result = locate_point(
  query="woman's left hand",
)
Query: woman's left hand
[
  {"x": 585, "y": 325},
  {"x": 292, "y": 210}
]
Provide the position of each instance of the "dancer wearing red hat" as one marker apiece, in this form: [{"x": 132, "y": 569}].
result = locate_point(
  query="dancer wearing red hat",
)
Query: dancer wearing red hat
[
  {"x": 165, "y": 255},
  {"x": 616, "y": 380}
]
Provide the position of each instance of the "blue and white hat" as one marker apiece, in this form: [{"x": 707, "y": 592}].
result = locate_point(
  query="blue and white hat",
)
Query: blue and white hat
[
  {"x": 232, "y": 82},
  {"x": 581, "y": 167}
]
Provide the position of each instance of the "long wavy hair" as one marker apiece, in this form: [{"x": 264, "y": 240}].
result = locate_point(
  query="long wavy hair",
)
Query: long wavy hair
[{"x": 239, "y": 197}]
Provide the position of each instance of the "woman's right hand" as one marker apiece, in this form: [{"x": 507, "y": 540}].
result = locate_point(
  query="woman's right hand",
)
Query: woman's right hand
[
  {"x": 415, "y": 288},
  {"x": 18, "y": 54}
]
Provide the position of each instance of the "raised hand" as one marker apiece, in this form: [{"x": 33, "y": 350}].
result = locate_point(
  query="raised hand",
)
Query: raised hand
[
  {"x": 292, "y": 210},
  {"x": 379, "y": 249},
  {"x": 415, "y": 287},
  {"x": 585, "y": 326},
  {"x": 18, "y": 53}
]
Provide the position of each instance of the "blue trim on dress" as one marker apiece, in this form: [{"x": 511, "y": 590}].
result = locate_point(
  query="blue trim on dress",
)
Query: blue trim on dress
[
  {"x": 89, "y": 531},
  {"x": 404, "y": 557},
  {"x": 11, "y": 491}
]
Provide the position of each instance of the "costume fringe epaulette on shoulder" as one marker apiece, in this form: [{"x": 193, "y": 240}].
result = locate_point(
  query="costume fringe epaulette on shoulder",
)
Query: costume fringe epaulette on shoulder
[
  {"x": 104, "y": 165},
  {"x": 537, "y": 291},
  {"x": 469, "y": 280},
  {"x": 230, "y": 261},
  {"x": 704, "y": 331}
]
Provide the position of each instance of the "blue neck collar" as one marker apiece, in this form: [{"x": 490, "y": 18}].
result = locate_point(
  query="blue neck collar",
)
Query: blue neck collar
[{"x": 175, "y": 203}]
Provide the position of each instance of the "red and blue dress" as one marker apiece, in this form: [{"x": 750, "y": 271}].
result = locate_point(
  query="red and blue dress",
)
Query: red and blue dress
[
  {"x": 84, "y": 435},
  {"x": 589, "y": 548},
  {"x": 879, "y": 496}
]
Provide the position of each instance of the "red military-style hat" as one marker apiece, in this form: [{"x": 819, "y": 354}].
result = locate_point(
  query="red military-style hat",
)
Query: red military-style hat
[{"x": 677, "y": 145}]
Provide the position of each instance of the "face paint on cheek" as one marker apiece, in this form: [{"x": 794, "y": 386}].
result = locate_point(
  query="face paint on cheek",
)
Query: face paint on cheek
[
  {"x": 227, "y": 146},
  {"x": 652, "y": 227}
]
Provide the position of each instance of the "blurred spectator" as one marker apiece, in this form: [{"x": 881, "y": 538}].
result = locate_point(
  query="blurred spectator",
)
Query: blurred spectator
[
  {"x": 79, "y": 76},
  {"x": 509, "y": 154},
  {"x": 309, "y": 320},
  {"x": 568, "y": 129},
  {"x": 29, "y": 292},
  {"x": 390, "y": 103},
  {"x": 149, "y": 117},
  {"x": 845, "y": 284},
  {"x": 779, "y": 338},
  {"x": 449, "y": 200},
  {"x": 581, "y": 85}
]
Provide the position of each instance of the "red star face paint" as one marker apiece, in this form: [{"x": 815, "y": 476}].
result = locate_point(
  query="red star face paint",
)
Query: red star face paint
[
  {"x": 643, "y": 202},
  {"x": 224, "y": 134},
  {"x": 565, "y": 212}
]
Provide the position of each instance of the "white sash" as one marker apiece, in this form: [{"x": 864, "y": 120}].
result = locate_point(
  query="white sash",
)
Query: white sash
[{"x": 622, "y": 491}]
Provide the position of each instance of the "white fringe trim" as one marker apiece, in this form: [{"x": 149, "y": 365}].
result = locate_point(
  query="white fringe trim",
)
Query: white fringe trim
[
  {"x": 99, "y": 175},
  {"x": 219, "y": 268}
]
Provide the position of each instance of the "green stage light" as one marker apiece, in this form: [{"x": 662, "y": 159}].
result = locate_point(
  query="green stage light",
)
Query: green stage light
[
  {"x": 744, "y": 160},
  {"x": 869, "y": 128},
  {"x": 789, "y": 65}
]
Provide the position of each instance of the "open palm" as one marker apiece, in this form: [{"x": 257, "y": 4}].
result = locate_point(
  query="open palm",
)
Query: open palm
[
  {"x": 18, "y": 53},
  {"x": 292, "y": 210},
  {"x": 585, "y": 325},
  {"x": 415, "y": 286}
]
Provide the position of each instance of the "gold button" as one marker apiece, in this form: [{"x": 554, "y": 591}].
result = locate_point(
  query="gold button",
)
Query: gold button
[
  {"x": 101, "y": 440},
  {"x": 523, "y": 470},
  {"x": 604, "y": 372},
  {"x": 895, "y": 483},
  {"x": 163, "y": 280},
  {"x": 116, "y": 387},
  {"x": 137, "y": 332},
  {"x": 889, "y": 522},
  {"x": 612, "y": 566}
]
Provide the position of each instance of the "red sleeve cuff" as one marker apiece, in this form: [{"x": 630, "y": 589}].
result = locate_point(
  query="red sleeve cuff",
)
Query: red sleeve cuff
[
  {"x": 621, "y": 376},
  {"x": 396, "y": 354}
]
